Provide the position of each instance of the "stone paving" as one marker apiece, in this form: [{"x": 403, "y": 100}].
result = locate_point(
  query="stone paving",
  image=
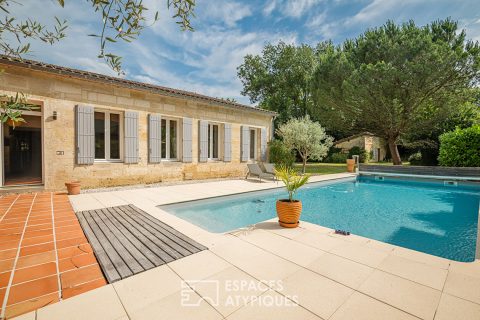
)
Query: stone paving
[{"x": 268, "y": 272}]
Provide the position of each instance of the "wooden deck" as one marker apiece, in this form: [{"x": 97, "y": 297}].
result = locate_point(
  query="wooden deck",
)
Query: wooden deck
[{"x": 127, "y": 240}]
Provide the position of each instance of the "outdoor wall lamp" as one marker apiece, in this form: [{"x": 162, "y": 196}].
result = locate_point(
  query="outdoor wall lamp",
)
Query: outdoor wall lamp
[{"x": 54, "y": 116}]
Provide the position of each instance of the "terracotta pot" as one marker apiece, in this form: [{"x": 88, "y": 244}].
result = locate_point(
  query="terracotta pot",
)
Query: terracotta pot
[
  {"x": 289, "y": 213},
  {"x": 351, "y": 165},
  {"x": 73, "y": 187}
]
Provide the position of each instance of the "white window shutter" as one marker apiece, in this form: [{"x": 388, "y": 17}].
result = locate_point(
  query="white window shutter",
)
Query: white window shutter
[
  {"x": 187, "y": 140},
  {"x": 154, "y": 138},
  {"x": 263, "y": 144},
  {"x": 203, "y": 141},
  {"x": 131, "y": 137},
  {"x": 245, "y": 143},
  {"x": 85, "y": 132},
  {"x": 227, "y": 147}
]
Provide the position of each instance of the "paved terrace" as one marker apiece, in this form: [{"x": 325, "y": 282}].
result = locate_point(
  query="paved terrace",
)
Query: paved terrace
[{"x": 330, "y": 276}]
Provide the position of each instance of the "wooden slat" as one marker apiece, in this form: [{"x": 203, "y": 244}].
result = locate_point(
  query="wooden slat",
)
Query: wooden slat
[
  {"x": 114, "y": 256},
  {"x": 127, "y": 240},
  {"x": 140, "y": 260},
  {"x": 109, "y": 270},
  {"x": 153, "y": 252},
  {"x": 171, "y": 233}
]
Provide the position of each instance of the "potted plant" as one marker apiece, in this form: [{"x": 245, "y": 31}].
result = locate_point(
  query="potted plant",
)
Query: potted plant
[
  {"x": 351, "y": 165},
  {"x": 73, "y": 187},
  {"x": 289, "y": 210}
]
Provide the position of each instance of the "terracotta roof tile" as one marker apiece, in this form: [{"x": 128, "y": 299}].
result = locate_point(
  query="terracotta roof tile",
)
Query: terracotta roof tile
[{"x": 92, "y": 76}]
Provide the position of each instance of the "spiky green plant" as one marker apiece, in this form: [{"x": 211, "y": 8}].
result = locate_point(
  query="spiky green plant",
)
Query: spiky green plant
[{"x": 292, "y": 180}]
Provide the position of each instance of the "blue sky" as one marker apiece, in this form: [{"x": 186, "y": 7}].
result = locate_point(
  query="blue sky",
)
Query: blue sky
[{"x": 205, "y": 61}]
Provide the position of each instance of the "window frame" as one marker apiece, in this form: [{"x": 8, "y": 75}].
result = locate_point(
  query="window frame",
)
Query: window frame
[
  {"x": 210, "y": 141},
  {"x": 167, "y": 138},
  {"x": 107, "y": 135}
]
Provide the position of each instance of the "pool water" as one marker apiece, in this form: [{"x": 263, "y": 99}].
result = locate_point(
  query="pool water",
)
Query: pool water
[{"x": 424, "y": 216}]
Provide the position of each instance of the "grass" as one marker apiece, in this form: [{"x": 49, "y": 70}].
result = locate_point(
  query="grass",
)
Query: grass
[{"x": 323, "y": 168}]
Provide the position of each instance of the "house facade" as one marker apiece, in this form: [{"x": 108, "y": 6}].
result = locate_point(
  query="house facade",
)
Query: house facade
[
  {"x": 107, "y": 131},
  {"x": 376, "y": 146}
]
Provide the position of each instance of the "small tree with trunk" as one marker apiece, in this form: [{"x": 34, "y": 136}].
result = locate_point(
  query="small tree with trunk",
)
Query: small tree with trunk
[{"x": 306, "y": 137}]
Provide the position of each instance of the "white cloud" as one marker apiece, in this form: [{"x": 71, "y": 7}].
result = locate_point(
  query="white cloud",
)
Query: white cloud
[
  {"x": 317, "y": 20},
  {"x": 228, "y": 12},
  {"x": 269, "y": 7},
  {"x": 297, "y": 8}
]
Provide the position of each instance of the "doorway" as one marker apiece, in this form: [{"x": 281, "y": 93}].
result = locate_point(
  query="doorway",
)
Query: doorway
[{"x": 22, "y": 152}]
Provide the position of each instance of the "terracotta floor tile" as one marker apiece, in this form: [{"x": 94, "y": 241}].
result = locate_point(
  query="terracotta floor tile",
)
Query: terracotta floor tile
[
  {"x": 32, "y": 234},
  {"x": 10, "y": 237},
  {"x": 75, "y": 277},
  {"x": 14, "y": 226},
  {"x": 74, "y": 251},
  {"x": 77, "y": 262},
  {"x": 4, "y": 278},
  {"x": 35, "y": 272},
  {"x": 38, "y": 221},
  {"x": 73, "y": 227},
  {"x": 43, "y": 226},
  {"x": 71, "y": 242},
  {"x": 69, "y": 235},
  {"x": 71, "y": 292},
  {"x": 8, "y": 254},
  {"x": 32, "y": 260},
  {"x": 41, "y": 248},
  {"x": 68, "y": 223},
  {"x": 37, "y": 240},
  {"x": 6, "y": 265},
  {"x": 30, "y": 305},
  {"x": 32, "y": 289},
  {"x": 2, "y": 294},
  {"x": 9, "y": 245}
]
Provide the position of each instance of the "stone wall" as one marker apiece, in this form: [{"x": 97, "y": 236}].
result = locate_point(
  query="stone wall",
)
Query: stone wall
[{"x": 62, "y": 94}]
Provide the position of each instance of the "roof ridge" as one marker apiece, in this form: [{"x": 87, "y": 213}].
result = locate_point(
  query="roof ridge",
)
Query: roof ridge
[{"x": 61, "y": 70}]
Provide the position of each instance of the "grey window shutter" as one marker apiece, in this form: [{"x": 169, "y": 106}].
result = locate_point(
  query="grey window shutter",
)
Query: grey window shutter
[
  {"x": 187, "y": 140},
  {"x": 263, "y": 144},
  {"x": 85, "y": 134},
  {"x": 203, "y": 141},
  {"x": 131, "y": 137},
  {"x": 245, "y": 143},
  {"x": 154, "y": 138},
  {"x": 227, "y": 140}
]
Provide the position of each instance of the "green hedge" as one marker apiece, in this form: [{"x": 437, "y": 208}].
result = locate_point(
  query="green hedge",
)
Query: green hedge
[
  {"x": 460, "y": 148},
  {"x": 280, "y": 154}
]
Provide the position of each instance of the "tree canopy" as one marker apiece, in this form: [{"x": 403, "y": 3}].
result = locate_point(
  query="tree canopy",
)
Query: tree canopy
[
  {"x": 396, "y": 79},
  {"x": 306, "y": 137},
  {"x": 279, "y": 79}
]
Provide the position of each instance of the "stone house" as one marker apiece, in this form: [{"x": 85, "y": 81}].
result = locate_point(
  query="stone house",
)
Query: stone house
[
  {"x": 108, "y": 131},
  {"x": 376, "y": 146}
]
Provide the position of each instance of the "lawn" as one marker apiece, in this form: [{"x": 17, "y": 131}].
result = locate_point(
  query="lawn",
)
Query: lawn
[{"x": 323, "y": 168}]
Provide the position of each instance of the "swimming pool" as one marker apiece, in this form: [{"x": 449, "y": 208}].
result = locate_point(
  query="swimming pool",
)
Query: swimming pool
[{"x": 427, "y": 216}]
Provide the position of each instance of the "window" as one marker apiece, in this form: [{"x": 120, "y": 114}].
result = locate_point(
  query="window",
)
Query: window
[
  {"x": 107, "y": 135},
  {"x": 253, "y": 144},
  {"x": 169, "y": 139},
  {"x": 213, "y": 141}
]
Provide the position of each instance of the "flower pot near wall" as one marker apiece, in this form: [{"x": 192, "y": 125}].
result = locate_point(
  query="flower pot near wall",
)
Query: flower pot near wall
[
  {"x": 289, "y": 213},
  {"x": 351, "y": 165},
  {"x": 73, "y": 188}
]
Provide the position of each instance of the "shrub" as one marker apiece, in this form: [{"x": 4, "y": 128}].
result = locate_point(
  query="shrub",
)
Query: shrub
[
  {"x": 415, "y": 158},
  {"x": 279, "y": 154},
  {"x": 460, "y": 148},
  {"x": 338, "y": 157},
  {"x": 364, "y": 155}
]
